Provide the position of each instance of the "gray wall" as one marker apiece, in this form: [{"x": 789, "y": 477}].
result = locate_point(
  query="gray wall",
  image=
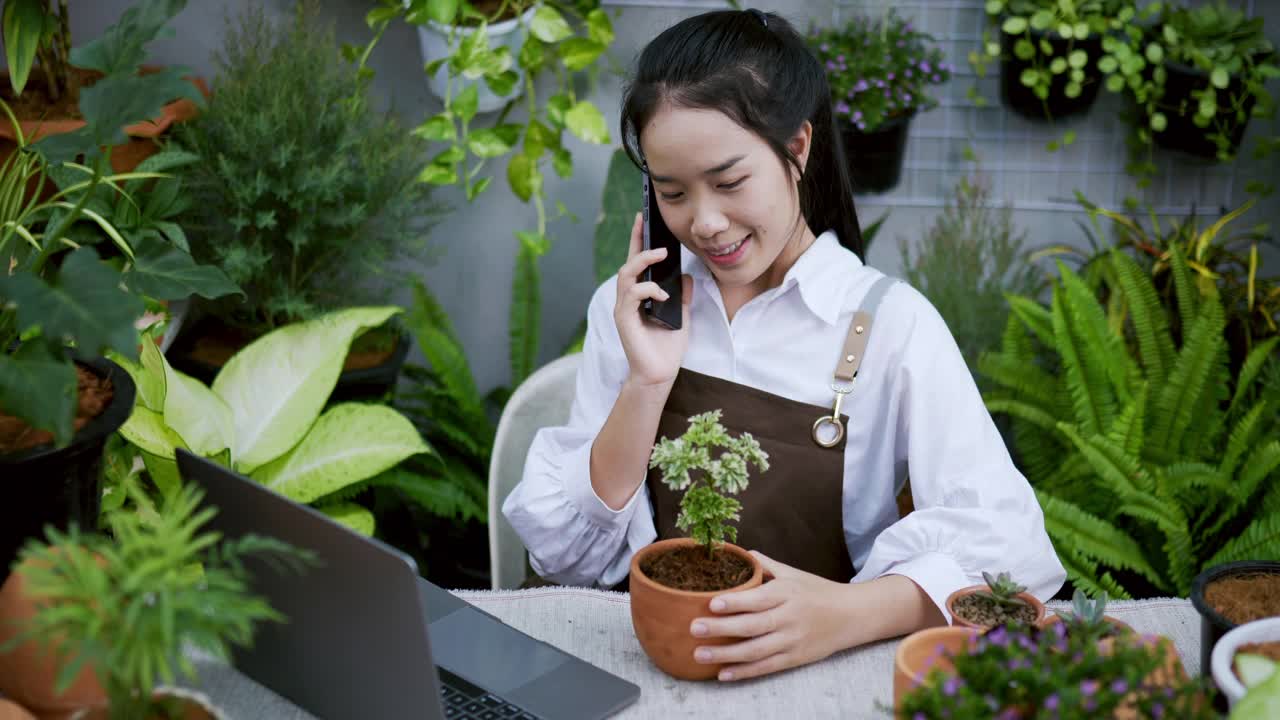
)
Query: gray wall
[{"x": 473, "y": 275}]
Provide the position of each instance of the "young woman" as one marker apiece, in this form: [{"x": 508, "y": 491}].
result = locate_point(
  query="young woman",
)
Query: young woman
[{"x": 731, "y": 116}]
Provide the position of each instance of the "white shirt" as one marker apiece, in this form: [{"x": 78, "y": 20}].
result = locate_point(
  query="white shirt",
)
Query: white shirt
[{"x": 914, "y": 405}]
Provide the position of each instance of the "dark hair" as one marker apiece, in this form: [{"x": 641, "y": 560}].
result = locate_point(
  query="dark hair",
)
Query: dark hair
[{"x": 756, "y": 69}]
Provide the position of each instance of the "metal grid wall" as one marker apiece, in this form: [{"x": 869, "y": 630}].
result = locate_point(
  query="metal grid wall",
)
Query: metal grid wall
[{"x": 1011, "y": 149}]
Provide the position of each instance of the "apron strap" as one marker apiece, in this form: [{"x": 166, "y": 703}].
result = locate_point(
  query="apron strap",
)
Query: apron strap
[{"x": 855, "y": 344}]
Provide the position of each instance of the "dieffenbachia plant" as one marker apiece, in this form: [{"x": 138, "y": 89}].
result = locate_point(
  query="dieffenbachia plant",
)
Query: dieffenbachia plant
[{"x": 265, "y": 416}]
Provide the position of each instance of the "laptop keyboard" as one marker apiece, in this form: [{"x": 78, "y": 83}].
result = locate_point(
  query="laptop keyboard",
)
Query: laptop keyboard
[{"x": 464, "y": 701}]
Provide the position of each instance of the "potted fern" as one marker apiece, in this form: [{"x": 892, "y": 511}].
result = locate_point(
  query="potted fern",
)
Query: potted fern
[
  {"x": 1000, "y": 601},
  {"x": 121, "y": 610},
  {"x": 672, "y": 581}
]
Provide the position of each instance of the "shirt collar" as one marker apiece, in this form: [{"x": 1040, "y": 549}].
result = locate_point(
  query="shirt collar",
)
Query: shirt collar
[{"x": 823, "y": 273}]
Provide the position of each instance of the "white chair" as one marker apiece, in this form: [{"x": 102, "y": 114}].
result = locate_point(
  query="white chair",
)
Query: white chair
[{"x": 542, "y": 400}]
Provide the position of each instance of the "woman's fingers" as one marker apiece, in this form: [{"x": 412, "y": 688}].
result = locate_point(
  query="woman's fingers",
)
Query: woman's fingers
[
  {"x": 646, "y": 291},
  {"x": 745, "y": 625},
  {"x": 740, "y": 652},
  {"x": 637, "y": 237}
]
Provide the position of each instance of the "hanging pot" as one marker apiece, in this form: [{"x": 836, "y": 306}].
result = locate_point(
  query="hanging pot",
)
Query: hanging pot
[
  {"x": 434, "y": 40},
  {"x": 1023, "y": 100},
  {"x": 1179, "y": 108},
  {"x": 875, "y": 157}
]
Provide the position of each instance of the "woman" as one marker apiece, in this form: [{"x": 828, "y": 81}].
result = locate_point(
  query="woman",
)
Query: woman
[{"x": 730, "y": 114}]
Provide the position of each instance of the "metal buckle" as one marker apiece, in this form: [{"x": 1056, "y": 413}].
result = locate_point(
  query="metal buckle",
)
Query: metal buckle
[{"x": 833, "y": 418}]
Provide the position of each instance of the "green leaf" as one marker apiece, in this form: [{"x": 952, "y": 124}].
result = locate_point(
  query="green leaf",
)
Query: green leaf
[
  {"x": 599, "y": 27},
  {"x": 619, "y": 203},
  {"x": 24, "y": 25},
  {"x": 440, "y": 128},
  {"x": 526, "y": 309},
  {"x": 1220, "y": 78},
  {"x": 349, "y": 443},
  {"x": 1249, "y": 369},
  {"x": 487, "y": 143},
  {"x": 1093, "y": 536},
  {"x": 503, "y": 83},
  {"x": 147, "y": 430},
  {"x": 122, "y": 47},
  {"x": 39, "y": 388},
  {"x": 164, "y": 272},
  {"x": 1041, "y": 20},
  {"x": 1014, "y": 25},
  {"x": 1259, "y": 541},
  {"x": 442, "y": 11},
  {"x": 352, "y": 515},
  {"x": 532, "y": 55},
  {"x": 474, "y": 190},
  {"x": 562, "y": 161},
  {"x": 277, "y": 386},
  {"x": 580, "y": 53},
  {"x": 548, "y": 25},
  {"x": 586, "y": 121},
  {"x": 437, "y": 174},
  {"x": 1159, "y": 122},
  {"x": 557, "y": 108},
  {"x": 82, "y": 303},
  {"x": 523, "y": 176},
  {"x": 435, "y": 337},
  {"x": 466, "y": 103}
]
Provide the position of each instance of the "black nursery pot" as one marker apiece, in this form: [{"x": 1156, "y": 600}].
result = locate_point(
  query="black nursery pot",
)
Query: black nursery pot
[
  {"x": 59, "y": 486},
  {"x": 1179, "y": 108},
  {"x": 1212, "y": 624},
  {"x": 875, "y": 158},
  {"x": 1023, "y": 100}
]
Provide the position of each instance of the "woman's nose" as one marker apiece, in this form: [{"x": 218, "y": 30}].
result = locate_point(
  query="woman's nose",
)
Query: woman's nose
[{"x": 709, "y": 221}]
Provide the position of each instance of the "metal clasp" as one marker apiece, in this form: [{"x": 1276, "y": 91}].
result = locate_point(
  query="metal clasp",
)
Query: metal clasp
[{"x": 834, "y": 418}]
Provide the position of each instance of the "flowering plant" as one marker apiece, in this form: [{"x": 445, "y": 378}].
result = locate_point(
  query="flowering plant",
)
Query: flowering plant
[
  {"x": 879, "y": 69},
  {"x": 1019, "y": 671}
]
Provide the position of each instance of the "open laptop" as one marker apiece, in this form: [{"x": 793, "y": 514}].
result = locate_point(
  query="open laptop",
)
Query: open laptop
[{"x": 365, "y": 635}]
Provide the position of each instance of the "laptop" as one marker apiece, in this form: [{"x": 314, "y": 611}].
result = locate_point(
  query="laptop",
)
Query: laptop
[{"x": 367, "y": 637}]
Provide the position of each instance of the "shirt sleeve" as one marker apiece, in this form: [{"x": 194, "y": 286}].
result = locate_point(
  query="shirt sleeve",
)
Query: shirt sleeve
[
  {"x": 974, "y": 510},
  {"x": 573, "y": 537}
]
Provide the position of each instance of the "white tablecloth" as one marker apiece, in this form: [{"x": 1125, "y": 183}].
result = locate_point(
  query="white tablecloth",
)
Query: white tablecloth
[{"x": 596, "y": 626}]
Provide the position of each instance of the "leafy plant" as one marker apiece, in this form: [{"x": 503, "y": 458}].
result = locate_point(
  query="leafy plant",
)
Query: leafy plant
[
  {"x": 126, "y": 605},
  {"x": 304, "y": 192},
  {"x": 266, "y": 417},
  {"x": 1025, "y": 672},
  {"x": 564, "y": 44},
  {"x": 35, "y": 29},
  {"x": 969, "y": 259},
  {"x": 879, "y": 69},
  {"x": 1147, "y": 455},
  {"x": 704, "y": 511},
  {"x": 1002, "y": 589},
  {"x": 57, "y": 291}
]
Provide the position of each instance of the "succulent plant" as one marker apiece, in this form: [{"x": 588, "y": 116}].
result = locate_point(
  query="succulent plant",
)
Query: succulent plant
[{"x": 1002, "y": 589}]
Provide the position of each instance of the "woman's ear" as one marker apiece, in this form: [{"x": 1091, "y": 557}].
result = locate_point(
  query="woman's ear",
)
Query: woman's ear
[{"x": 800, "y": 144}]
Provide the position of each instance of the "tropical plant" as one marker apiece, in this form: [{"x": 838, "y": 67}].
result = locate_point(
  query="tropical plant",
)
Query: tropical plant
[
  {"x": 968, "y": 261},
  {"x": 57, "y": 291},
  {"x": 304, "y": 192},
  {"x": 879, "y": 69},
  {"x": 565, "y": 44},
  {"x": 1151, "y": 461},
  {"x": 127, "y": 604},
  {"x": 704, "y": 511},
  {"x": 1019, "y": 671},
  {"x": 266, "y": 417}
]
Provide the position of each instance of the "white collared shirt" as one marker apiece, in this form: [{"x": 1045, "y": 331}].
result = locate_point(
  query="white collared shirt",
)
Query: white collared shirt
[{"x": 914, "y": 405}]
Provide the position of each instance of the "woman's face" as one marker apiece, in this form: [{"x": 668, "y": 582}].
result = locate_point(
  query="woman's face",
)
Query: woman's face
[{"x": 725, "y": 194}]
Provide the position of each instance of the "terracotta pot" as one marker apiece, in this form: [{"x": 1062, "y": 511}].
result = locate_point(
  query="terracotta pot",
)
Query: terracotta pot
[
  {"x": 28, "y": 673},
  {"x": 124, "y": 158},
  {"x": 1120, "y": 625},
  {"x": 662, "y": 616},
  {"x": 958, "y": 621},
  {"x": 194, "y": 706},
  {"x": 10, "y": 710},
  {"x": 922, "y": 651}
]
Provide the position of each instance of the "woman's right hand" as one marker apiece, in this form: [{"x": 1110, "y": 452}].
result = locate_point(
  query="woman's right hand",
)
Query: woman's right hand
[{"x": 653, "y": 352}]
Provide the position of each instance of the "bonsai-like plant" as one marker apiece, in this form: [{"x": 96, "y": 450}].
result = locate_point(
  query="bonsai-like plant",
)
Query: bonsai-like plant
[
  {"x": 705, "y": 508},
  {"x": 1019, "y": 671},
  {"x": 304, "y": 191},
  {"x": 1150, "y": 458},
  {"x": 126, "y": 605},
  {"x": 879, "y": 69}
]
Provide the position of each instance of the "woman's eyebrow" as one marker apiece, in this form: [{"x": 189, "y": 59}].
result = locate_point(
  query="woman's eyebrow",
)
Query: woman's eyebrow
[{"x": 709, "y": 171}]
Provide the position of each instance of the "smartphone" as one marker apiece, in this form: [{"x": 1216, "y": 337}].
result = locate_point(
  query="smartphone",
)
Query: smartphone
[{"x": 665, "y": 272}]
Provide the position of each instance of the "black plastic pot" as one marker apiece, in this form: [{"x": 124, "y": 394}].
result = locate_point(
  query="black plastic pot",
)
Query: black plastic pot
[
  {"x": 875, "y": 158},
  {"x": 59, "y": 486},
  {"x": 363, "y": 385},
  {"x": 1212, "y": 624},
  {"x": 1023, "y": 100},
  {"x": 1179, "y": 108}
]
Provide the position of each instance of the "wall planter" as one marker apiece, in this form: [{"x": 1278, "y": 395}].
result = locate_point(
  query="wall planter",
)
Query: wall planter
[
  {"x": 1245, "y": 638},
  {"x": 1179, "y": 104},
  {"x": 1227, "y": 596},
  {"x": 58, "y": 486},
  {"x": 662, "y": 615},
  {"x": 875, "y": 157},
  {"x": 1023, "y": 100},
  {"x": 434, "y": 40}
]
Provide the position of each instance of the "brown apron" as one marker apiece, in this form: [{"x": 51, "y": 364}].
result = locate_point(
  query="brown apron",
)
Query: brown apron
[{"x": 794, "y": 513}]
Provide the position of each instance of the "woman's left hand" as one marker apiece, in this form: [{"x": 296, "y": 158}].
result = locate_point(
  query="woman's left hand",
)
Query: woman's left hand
[{"x": 795, "y": 619}]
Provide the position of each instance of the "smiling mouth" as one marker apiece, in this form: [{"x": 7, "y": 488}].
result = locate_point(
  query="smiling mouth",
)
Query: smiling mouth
[{"x": 729, "y": 250}]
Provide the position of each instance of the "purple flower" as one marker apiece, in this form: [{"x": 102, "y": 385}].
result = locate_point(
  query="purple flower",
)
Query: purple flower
[
  {"x": 999, "y": 637},
  {"x": 842, "y": 108},
  {"x": 861, "y": 125},
  {"x": 924, "y": 67},
  {"x": 879, "y": 83},
  {"x": 840, "y": 59},
  {"x": 906, "y": 98},
  {"x": 945, "y": 67},
  {"x": 906, "y": 73},
  {"x": 1157, "y": 711},
  {"x": 937, "y": 78},
  {"x": 1119, "y": 687},
  {"x": 902, "y": 43},
  {"x": 1089, "y": 687},
  {"x": 826, "y": 47},
  {"x": 862, "y": 85},
  {"x": 951, "y": 686},
  {"x": 857, "y": 115},
  {"x": 1052, "y": 702},
  {"x": 919, "y": 716},
  {"x": 891, "y": 76},
  {"x": 830, "y": 66}
]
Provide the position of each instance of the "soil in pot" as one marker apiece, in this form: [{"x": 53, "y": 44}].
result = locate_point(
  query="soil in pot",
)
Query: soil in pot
[
  {"x": 982, "y": 610},
  {"x": 35, "y": 104},
  {"x": 95, "y": 395},
  {"x": 1246, "y": 597},
  {"x": 692, "y": 569}
]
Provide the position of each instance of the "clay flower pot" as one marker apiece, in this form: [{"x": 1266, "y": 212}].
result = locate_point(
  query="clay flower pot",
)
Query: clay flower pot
[
  {"x": 1121, "y": 626},
  {"x": 922, "y": 651},
  {"x": 662, "y": 615},
  {"x": 10, "y": 710},
  {"x": 959, "y": 621}
]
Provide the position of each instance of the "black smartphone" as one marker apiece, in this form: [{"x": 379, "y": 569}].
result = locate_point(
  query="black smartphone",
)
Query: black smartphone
[{"x": 665, "y": 272}]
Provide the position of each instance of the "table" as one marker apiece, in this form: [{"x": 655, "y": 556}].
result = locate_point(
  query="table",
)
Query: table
[{"x": 596, "y": 626}]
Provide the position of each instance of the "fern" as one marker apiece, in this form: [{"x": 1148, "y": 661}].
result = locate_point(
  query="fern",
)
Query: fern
[
  {"x": 1181, "y": 396},
  {"x": 1086, "y": 391},
  {"x": 1034, "y": 316},
  {"x": 1128, "y": 431},
  {"x": 1093, "y": 537},
  {"x": 1083, "y": 573},
  {"x": 1253, "y": 365},
  {"x": 1259, "y": 541},
  {"x": 1151, "y": 325},
  {"x": 1183, "y": 287}
]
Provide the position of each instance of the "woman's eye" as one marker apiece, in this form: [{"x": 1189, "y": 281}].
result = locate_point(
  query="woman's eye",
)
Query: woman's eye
[
  {"x": 732, "y": 185},
  {"x": 670, "y": 196}
]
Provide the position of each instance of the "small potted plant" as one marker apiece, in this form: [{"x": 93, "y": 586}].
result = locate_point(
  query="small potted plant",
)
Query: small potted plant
[
  {"x": 1089, "y": 617},
  {"x": 121, "y": 610},
  {"x": 999, "y": 602},
  {"x": 1230, "y": 595},
  {"x": 880, "y": 71},
  {"x": 672, "y": 581},
  {"x": 1244, "y": 661}
]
